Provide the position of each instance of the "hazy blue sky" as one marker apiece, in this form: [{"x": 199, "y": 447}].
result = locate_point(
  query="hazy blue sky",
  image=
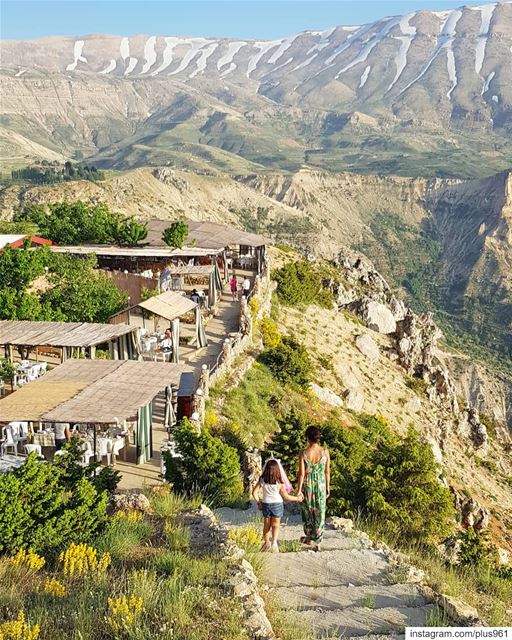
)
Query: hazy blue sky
[{"x": 28, "y": 19}]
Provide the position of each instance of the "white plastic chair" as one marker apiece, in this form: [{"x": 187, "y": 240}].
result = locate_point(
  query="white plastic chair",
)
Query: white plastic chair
[
  {"x": 104, "y": 448},
  {"x": 43, "y": 367},
  {"x": 87, "y": 452},
  {"x": 19, "y": 431},
  {"x": 10, "y": 440},
  {"x": 34, "y": 448}
]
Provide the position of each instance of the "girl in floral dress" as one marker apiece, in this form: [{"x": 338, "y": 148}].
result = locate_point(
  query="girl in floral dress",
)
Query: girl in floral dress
[{"x": 314, "y": 484}]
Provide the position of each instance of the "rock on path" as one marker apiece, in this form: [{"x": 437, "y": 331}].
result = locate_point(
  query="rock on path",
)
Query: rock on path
[{"x": 347, "y": 590}]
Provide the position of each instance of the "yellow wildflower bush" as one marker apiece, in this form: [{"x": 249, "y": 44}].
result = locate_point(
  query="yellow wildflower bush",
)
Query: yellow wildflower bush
[
  {"x": 246, "y": 537},
  {"x": 269, "y": 332},
  {"x": 27, "y": 559},
  {"x": 123, "y": 612},
  {"x": 128, "y": 515},
  {"x": 54, "y": 587},
  {"x": 254, "y": 305},
  {"x": 19, "y": 629},
  {"x": 81, "y": 560}
]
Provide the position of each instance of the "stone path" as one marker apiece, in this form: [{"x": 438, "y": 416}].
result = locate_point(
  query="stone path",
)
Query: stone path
[{"x": 347, "y": 590}]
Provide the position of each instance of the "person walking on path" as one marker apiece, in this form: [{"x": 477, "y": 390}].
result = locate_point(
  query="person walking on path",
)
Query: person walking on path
[
  {"x": 271, "y": 503},
  {"x": 246, "y": 287},
  {"x": 314, "y": 484},
  {"x": 234, "y": 287}
]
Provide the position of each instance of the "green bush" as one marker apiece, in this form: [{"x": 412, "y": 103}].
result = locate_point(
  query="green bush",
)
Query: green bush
[
  {"x": 299, "y": 283},
  {"x": 176, "y": 234},
  {"x": 400, "y": 487},
  {"x": 208, "y": 466},
  {"x": 289, "y": 362},
  {"x": 39, "y": 510}
]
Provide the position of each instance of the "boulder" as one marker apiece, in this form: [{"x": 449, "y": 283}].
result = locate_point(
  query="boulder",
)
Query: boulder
[
  {"x": 436, "y": 449},
  {"x": 379, "y": 318},
  {"x": 368, "y": 347},
  {"x": 503, "y": 556},
  {"x": 473, "y": 515},
  {"x": 131, "y": 502},
  {"x": 398, "y": 309},
  {"x": 354, "y": 400},
  {"x": 340, "y": 524},
  {"x": 459, "y": 611},
  {"x": 326, "y": 395}
]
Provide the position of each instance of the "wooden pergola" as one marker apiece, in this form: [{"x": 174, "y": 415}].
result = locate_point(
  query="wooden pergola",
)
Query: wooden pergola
[
  {"x": 171, "y": 306},
  {"x": 69, "y": 337},
  {"x": 98, "y": 393}
]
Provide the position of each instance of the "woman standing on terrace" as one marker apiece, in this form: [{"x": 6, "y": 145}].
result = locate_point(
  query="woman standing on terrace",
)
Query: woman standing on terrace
[{"x": 314, "y": 484}]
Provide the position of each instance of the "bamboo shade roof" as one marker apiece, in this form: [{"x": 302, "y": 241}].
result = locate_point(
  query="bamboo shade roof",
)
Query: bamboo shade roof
[
  {"x": 140, "y": 252},
  {"x": 59, "y": 334},
  {"x": 168, "y": 305},
  {"x": 91, "y": 391},
  {"x": 190, "y": 270},
  {"x": 208, "y": 235}
]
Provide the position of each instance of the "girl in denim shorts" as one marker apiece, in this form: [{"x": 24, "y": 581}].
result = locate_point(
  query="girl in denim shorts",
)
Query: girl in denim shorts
[{"x": 271, "y": 503}]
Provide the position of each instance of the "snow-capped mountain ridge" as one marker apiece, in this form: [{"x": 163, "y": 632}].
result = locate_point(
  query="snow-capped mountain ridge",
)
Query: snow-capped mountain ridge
[{"x": 329, "y": 54}]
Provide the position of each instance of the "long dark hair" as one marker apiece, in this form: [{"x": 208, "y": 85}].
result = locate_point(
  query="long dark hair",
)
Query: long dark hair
[{"x": 271, "y": 473}]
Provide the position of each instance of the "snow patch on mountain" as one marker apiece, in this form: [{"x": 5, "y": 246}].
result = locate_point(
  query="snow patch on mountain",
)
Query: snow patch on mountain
[
  {"x": 149, "y": 54},
  {"x": 196, "y": 45},
  {"x": 364, "y": 77},
  {"x": 110, "y": 67},
  {"x": 263, "y": 47},
  {"x": 487, "y": 11},
  {"x": 203, "y": 58},
  {"x": 408, "y": 35},
  {"x": 77, "y": 54},
  {"x": 285, "y": 44},
  {"x": 167, "y": 56},
  {"x": 233, "y": 49}
]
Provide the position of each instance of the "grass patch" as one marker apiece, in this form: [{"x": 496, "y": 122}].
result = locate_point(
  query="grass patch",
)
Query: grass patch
[{"x": 169, "y": 596}]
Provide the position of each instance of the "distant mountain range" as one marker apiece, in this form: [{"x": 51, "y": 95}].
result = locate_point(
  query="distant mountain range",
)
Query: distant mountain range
[{"x": 427, "y": 93}]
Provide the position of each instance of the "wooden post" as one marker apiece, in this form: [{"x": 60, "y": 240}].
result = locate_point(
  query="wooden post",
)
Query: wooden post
[
  {"x": 93, "y": 352},
  {"x": 9, "y": 352}
]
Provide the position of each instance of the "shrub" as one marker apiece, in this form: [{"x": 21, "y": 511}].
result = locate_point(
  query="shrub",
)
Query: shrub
[
  {"x": 176, "y": 234},
  {"x": 400, "y": 486},
  {"x": 289, "y": 362},
  {"x": 39, "y": 511},
  {"x": 208, "y": 466},
  {"x": 269, "y": 332},
  {"x": 298, "y": 283}
]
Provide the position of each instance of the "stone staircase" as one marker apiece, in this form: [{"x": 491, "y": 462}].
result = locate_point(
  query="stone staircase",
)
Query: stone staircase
[{"x": 349, "y": 589}]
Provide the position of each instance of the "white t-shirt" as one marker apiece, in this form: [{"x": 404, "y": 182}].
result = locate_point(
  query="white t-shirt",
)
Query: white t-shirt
[
  {"x": 271, "y": 492},
  {"x": 60, "y": 430},
  {"x": 246, "y": 284}
]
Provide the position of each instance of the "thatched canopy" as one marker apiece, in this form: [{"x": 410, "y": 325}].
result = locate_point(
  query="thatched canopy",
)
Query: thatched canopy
[
  {"x": 207, "y": 235},
  {"x": 91, "y": 391},
  {"x": 168, "y": 305},
  {"x": 59, "y": 334}
]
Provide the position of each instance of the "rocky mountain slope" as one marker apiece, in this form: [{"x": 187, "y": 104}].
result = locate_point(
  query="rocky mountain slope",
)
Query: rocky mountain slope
[{"x": 374, "y": 96}]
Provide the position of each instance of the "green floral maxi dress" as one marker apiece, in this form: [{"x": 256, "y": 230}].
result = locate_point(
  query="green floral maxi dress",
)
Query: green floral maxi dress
[{"x": 315, "y": 498}]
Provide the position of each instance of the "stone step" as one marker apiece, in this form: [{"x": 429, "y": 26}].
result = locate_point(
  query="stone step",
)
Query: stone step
[
  {"x": 363, "y": 621},
  {"x": 327, "y": 568},
  {"x": 338, "y": 597}
]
